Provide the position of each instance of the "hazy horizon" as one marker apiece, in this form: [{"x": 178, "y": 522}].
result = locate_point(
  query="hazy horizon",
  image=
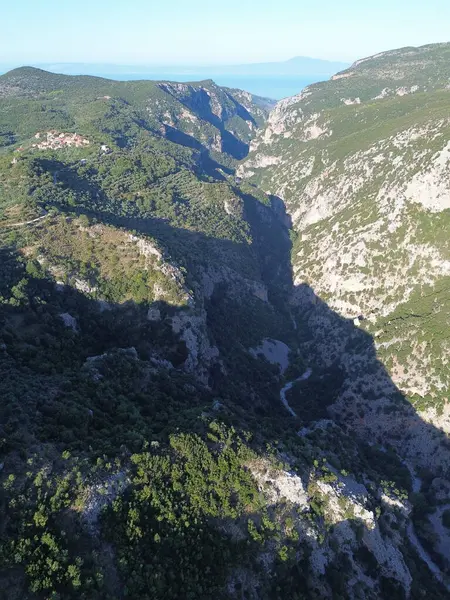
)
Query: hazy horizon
[
  {"x": 161, "y": 66},
  {"x": 197, "y": 33}
]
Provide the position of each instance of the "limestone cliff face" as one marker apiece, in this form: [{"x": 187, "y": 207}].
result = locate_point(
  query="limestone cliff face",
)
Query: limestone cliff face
[
  {"x": 221, "y": 119},
  {"x": 247, "y": 277},
  {"x": 362, "y": 163}
]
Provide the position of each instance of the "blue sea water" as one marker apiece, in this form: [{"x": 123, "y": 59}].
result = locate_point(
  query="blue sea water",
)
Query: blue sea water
[{"x": 275, "y": 87}]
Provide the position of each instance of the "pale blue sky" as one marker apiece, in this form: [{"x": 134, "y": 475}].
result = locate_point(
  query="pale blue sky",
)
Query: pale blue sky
[{"x": 208, "y": 32}]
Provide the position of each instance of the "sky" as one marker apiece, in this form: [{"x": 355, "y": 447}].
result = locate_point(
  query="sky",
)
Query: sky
[{"x": 169, "y": 32}]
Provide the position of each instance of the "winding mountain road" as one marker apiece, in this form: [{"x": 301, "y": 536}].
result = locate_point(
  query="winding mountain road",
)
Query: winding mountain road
[
  {"x": 30, "y": 222},
  {"x": 288, "y": 386}
]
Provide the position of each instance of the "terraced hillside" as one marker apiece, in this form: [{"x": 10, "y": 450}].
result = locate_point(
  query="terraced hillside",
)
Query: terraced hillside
[
  {"x": 126, "y": 200},
  {"x": 220, "y": 118}
]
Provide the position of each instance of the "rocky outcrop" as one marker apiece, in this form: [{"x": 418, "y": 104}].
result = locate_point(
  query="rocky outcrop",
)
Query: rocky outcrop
[
  {"x": 237, "y": 286},
  {"x": 69, "y": 321},
  {"x": 274, "y": 351},
  {"x": 191, "y": 328}
]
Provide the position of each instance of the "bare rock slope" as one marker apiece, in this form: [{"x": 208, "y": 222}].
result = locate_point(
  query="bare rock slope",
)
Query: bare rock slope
[{"x": 362, "y": 162}]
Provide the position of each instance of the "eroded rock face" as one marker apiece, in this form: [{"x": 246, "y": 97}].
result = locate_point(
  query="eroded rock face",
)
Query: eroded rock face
[
  {"x": 99, "y": 496},
  {"x": 369, "y": 195},
  {"x": 236, "y": 285},
  {"x": 344, "y": 503},
  {"x": 192, "y": 330},
  {"x": 69, "y": 321},
  {"x": 153, "y": 314},
  {"x": 84, "y": 286},
  {"x": 279, "y": 485},
  {"x": 220, "y": 119}
]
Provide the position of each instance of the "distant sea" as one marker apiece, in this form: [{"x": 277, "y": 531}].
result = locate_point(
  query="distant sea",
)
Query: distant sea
[{"x": 269, "y": 86}]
